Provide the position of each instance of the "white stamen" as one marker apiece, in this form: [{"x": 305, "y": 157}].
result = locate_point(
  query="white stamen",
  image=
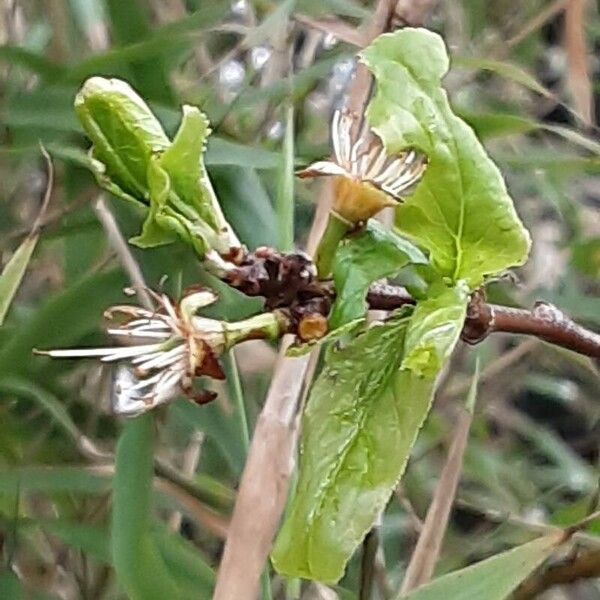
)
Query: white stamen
[
  {"x": 335, "y": 135},
  {"x": 388, "y": 171},
  {"x": 355, "y": 167},
  {"x": 129, "y": 352},
  {"x": 138, "y": 333},
  {"x": 377, "y": 163},
  {"x": 345, "y": 139},
  {"x": 163, "y": 359}
]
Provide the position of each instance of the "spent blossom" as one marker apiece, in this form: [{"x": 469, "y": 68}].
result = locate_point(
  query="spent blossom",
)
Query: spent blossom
[
  {"x": 367, "y": 178},
  {"x": 161, "y": 351}
]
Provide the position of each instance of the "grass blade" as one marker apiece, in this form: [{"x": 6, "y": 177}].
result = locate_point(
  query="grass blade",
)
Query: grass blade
[
  {"x": 427, "y": 550},
  {"x": 13, "y": 273},
  {"x": 494, "y": 578},
  {"x": 137, "y": 561},
  {"x": 284, "y": 204}
]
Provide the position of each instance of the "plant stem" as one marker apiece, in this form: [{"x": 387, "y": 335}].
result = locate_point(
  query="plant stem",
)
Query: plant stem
[
  {"x": 367, "y": 565},
  {"x": 236, "y": 394},
  {"x": 234, "y": 387},
  {"x": 284, "y": 202},
  {"x": 265, "y": 326},
  {"x": 334, "y": 232}
]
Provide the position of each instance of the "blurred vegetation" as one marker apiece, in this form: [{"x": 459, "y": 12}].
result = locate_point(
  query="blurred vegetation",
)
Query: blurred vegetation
[{"x": 534, "y": 446}]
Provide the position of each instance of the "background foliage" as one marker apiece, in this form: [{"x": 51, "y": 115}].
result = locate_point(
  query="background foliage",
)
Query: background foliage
[{"x": 533, "y": 447}]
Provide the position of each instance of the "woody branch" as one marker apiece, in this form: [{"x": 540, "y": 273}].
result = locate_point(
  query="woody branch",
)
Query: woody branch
[{"x": 289, "y": 281}]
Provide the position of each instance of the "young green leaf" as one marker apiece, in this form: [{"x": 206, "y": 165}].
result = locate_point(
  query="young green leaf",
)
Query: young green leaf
[
  {"x": 494, "y": 578},
  {"x": 184, "y": 163},
  {"x": 138, "y": 563},
  {"x": 133, "y": 159},
  {"x": 434, "y": 329},
  {"x": 360, "y": 424},
  {"x": 124, "y": 132},
  {"x": 362, "y": 418},
  {"x": 153, "y": 232},
  {"x": 362, "y": 259},
  {"x": 460, "y": 212}
]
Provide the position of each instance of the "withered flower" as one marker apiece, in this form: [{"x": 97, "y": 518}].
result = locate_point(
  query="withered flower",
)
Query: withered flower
[
  {"x": 367, "y": 179},
  {"x": 163, "y": 350}
]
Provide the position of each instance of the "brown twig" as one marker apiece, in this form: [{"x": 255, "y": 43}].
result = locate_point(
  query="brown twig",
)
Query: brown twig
[
  {"x": 577, "y": 72},
  {"x": 545, "y": 321},
  {"x": 583, "y": 565},
  {"x": 122, "y": 250},
  {"x": 426, "y": 553}
]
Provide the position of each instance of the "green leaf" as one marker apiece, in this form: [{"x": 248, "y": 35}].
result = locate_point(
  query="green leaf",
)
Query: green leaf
[
  {"x": 153, "y": 233},
  {"x": 284, "y": 200},
  {"x": 460, "y": 212},
  {"x": 19, "y": 56},
  {"x": 362, "y": 259},
  {"x": 160, "y": 41},
  {"x": 185, "y": 563},
  {"x": 585, "y": 257},
  {"x": 26, "y": 388},
  {"x": 130, "y": 22},
  {"x": 53, "y": 479},
  {"x": 494, "y": 578},
  {"x": 273, "y": 22},
  {"x": 494, "y": 125},
  {"x": 360, "y": 424},
  {"x": 124, "y": 132},
  {"x": 184, "y": 163},
  {"x": 134, "y": 160},
  {"x": 225, "y": 152},
  {"x": 13, "y": 273},
  {"x": 434, "y": 329},
  {"x": 138, "y": 563},
  {"x": 218, "y": 426},
  {"x": 247, "y": 204},
  {"x": 92, "y": 540}
]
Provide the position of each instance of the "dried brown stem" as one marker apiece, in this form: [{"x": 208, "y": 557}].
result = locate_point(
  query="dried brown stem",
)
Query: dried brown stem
[
  {"x": 424, "y": 558},
  {"x": 288, "y": 282},
  {"x": 264, "y": 484},
  {"x": 270, "y": 458},
  {"x": 583, "y": 565}
]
